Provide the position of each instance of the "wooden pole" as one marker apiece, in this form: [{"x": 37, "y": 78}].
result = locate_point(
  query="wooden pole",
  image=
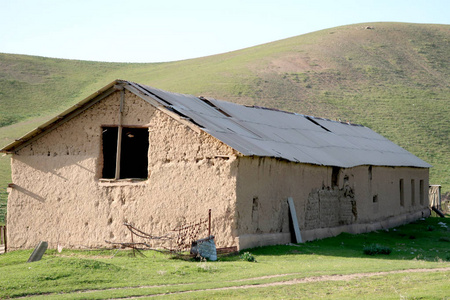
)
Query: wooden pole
[
  {"x": 209, "y": 222},
  {"x": 133, "y": 245},
  {"x": 119, "y": 135}
]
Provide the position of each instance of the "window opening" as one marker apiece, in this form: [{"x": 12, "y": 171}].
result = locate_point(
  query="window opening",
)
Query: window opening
[
  {"x": 133, "y": 160},
  {"x": 402, "y": 193},
  {"x": 413, "y": 192},
  {"x": 335, "y": 176},
  {"x": 422, "y": 192}
]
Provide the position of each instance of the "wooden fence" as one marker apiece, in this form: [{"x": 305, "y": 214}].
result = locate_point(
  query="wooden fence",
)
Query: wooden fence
[{"x": 3, "y": 242}]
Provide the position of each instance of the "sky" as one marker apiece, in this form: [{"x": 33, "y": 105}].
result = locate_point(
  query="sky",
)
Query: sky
[{"x": 169, "y": 30}]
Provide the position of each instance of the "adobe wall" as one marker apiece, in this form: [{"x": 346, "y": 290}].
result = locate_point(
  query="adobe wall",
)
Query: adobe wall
[
  {"x": 57, "y": 195},
  {"x": 325, "y": 206},
  {"x": 380, "y": 189}
]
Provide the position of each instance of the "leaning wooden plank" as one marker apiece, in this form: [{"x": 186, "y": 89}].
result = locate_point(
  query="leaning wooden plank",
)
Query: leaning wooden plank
[
  {"x": 298, "y": 236},
  {"x": 38, "y": 252}
]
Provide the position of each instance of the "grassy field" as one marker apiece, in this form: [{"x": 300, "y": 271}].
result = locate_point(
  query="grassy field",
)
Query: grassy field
[
  {"x": 417, "y": 267},
  {"x": 394, "y": 78}
]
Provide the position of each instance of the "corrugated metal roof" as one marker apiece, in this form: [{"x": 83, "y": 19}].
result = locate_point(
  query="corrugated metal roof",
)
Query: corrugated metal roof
[{"x": 257, "y": 131}]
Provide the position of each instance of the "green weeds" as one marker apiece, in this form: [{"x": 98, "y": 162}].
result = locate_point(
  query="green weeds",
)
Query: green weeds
[
  {"x": 375, "y": 249},
  {"x": 103, "y": 273},
  {"x": 247, "y": 256}
]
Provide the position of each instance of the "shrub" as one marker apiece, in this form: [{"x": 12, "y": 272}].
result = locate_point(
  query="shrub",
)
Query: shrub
[
  {"x": 374, "y": 249},
  {"x": 248, "y": 257}
]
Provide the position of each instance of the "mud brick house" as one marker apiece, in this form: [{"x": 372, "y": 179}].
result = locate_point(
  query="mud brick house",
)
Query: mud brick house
[{"x": 132, "y": 153}]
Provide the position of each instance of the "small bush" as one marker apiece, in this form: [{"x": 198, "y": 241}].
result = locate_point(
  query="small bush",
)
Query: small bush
[
  {"x": 374, "y": 249},
  {"x": 430, "y": 228},
  {"x": 248, "y": 257}
]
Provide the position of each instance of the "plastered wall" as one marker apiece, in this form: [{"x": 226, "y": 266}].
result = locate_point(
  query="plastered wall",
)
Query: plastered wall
[
  {"x": 357, "y": 200},
  {"x": 58, "y": 195}
]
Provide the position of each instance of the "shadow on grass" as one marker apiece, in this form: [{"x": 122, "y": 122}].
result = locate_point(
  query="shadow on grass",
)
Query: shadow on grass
[{"x": 427, "y": 239}]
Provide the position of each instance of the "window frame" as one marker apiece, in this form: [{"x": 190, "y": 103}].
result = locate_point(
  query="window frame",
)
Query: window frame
[{"x": 118, "y": 153}]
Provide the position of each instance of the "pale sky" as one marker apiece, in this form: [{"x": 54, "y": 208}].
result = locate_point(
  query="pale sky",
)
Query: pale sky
[{"x": 168, "y": 30}]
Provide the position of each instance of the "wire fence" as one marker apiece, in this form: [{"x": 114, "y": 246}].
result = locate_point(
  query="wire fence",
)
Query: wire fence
[{"x": 176, "y": 240}]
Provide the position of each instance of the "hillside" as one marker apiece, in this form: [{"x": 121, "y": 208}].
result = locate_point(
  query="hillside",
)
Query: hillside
[{"x": 393, "y": 78}]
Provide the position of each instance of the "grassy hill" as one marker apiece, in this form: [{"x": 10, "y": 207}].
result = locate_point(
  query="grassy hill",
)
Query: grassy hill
[{"x": 393, "y": 78}]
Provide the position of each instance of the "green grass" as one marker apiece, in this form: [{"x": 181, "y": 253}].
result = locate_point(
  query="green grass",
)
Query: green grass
[
  {"x": 100, "y": 274},
  {"x": 398, "y": 286},
  {"x": 394, "y": 79}
]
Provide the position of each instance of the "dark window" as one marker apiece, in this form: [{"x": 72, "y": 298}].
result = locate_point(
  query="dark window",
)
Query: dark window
[
  {"x": 413, "y": 192},
  {"x": 422, "y": 192},
  {"x": 133, "y": 160},
  {"x": 335, "y": 176},
  {"x": 402, "y": 193}
]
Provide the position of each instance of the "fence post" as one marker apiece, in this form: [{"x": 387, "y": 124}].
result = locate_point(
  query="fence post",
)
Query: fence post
[{"x": 3, "y": 237}]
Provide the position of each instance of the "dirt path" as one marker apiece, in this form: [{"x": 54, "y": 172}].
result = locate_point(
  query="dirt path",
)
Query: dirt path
[
  {"x": 249, "y": 286},
  {"x": 302, "y": 280}
]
